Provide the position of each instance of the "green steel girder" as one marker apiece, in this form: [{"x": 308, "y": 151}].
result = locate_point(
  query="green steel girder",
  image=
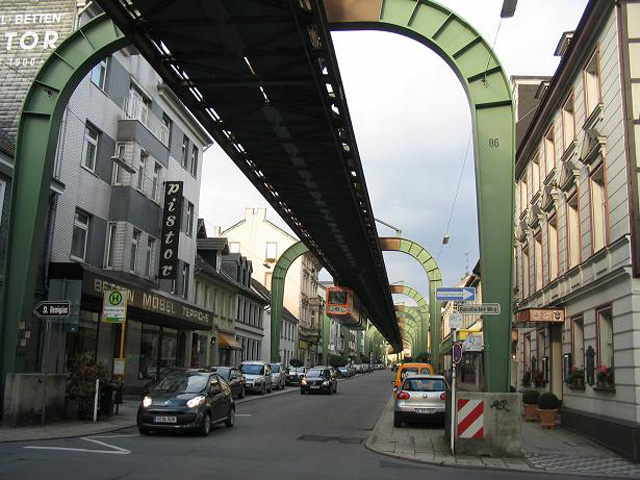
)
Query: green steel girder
[
  {"x": 423, "y": 305},
  {"x": 277, "y": 293},
  {"x": 492, "y": 110},
  {"x": 431, "y": 268},
  {"x": 37, "y": 140}
]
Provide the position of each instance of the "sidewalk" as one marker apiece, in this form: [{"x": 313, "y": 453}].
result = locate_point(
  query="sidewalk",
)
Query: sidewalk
[{"x": 545, "y": 451}]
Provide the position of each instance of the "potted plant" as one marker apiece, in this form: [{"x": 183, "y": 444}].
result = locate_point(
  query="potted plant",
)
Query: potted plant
[
  {"x": 547, "y": 409},
  {"x": 526, "y": 378},
  {"x": 530, "y": 402},
  {"x": 605, "y": 376},
  {"x": 576, "y": 377},
  {"x": 81, "y": 384}
]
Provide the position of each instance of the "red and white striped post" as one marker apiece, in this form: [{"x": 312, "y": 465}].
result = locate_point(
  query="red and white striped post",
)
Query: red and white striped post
[{"x": 470, "y": 419}]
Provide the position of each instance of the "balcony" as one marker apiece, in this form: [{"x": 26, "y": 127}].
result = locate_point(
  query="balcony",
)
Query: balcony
[
  {"x": 134, "y": 108},
  {"x": 309, "y": 334}
]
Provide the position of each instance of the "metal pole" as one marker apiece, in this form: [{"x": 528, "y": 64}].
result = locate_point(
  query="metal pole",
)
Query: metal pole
[
  {"x": 454, "y": 416},
  {"x": 95, "y": 401},
  {"x": 45, "y": 369}
]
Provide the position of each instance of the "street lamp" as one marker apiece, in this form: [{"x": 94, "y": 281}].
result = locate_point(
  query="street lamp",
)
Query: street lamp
[{"x": 508, "y": 8}]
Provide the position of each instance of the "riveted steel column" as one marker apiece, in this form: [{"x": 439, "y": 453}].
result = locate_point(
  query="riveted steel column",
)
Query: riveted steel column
[
  {"x": 277, "y": 293},
  {"x": 33, "y": 168},
  {"x": 488, "y": 90},
  {"x": 423, "y": 305}
]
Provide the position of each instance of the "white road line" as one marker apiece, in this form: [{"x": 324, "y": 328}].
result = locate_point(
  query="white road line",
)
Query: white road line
[
  {"x": 244, "y": 414},
  {"x": 114, "y": 449},
  {"x": 117, "y": 436},
  {"x": 106, "y": 444}
]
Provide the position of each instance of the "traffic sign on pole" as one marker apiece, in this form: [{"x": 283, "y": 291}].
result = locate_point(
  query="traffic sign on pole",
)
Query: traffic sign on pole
[
  {"x": 114, "y": 306},
  {"x": 455, "y": 321},
  {"x": 457, "y": 352},
  {"x": 53, "y": 309},
  {"x": 478, "y": 308},
  {"x": 456, "y": 294}
]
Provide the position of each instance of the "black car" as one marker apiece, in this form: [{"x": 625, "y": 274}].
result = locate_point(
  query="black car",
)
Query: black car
[
  {"x": 319, "y": 379},
  {"x": 234, "y": 378},
  {"x": 195, "y": 400}
]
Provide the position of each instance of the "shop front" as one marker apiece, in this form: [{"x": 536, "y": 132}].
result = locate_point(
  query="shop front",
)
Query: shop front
[
  {"x": 229, "y": 350},
  {"x": 161, "y": 331}
]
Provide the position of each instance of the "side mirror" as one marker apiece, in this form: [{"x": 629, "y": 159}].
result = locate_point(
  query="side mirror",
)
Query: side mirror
[{"x": 395, "y": 389}]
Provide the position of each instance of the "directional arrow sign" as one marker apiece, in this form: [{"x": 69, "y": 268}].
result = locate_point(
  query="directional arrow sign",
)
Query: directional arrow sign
[
  {"x": 478, "y": 308},
  {"x": 53, "y": 309},
  {"x": 456, "y": 294}
]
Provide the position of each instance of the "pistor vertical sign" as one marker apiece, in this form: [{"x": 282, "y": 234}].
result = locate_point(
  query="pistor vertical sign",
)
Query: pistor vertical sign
[
  {"x": 30, "y": 30},
  {"x": 171, "y": 218}
]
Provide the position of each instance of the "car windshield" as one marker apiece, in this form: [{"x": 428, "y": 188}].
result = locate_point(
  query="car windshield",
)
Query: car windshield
[
  {"x": 424, "y": 385},
  {"x": 275, "y": 368},
  {"x": 182, "y": 384},
  {"x": 342, "y": 368},
  {"x": 249, "y": 369},
  {"x": 224, "y": 372},
  {"x": 315, "y": 373},
  {"x": 409, "y": 371}
]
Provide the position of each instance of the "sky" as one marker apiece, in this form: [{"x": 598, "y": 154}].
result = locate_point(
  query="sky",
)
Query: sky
[{"x": 412, "y": 125}]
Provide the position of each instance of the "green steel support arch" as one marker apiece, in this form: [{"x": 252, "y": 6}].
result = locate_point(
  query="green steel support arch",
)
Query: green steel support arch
[
  {"x": 277, "y": 293},
  {"x": 414, "y": 326},
  {"x": 492, "y": 111},
  {"x": 424, "y": 309},
  {"x": 36, "y": 146},
  {"x": 431, "y": 268}
]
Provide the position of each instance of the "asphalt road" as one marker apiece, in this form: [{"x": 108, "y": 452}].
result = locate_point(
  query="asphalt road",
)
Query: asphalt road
[{"x": 287, "y": 436}]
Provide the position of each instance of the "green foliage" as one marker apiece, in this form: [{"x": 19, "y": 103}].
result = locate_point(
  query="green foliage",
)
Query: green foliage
[
  {"x": 337, "y": 361},
  {"x": 530, "y": 397},
  {"x": 548, "y": 401},
  {"x": 526, "y": 378},
  {"x": 81, "y": 384},
  {"x": 295, "y": 363}
]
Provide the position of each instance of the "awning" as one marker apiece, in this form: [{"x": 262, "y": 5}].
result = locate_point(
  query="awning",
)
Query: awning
[{"x": 226, "y": 340}]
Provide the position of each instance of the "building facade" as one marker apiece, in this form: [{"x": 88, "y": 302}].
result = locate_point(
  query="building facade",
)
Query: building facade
[{"x": 577, "y": 231}]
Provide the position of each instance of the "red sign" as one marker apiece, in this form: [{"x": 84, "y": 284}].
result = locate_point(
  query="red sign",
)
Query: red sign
[{"x": 543, "y": 315}]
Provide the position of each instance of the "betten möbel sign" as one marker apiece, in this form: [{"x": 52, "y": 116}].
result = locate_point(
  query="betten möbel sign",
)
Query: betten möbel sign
[{"x": 171, "y": 218}]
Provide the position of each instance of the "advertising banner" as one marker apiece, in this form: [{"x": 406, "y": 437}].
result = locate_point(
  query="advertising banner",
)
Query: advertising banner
[
  {"x": 29, "y": 32},
  {"x": 171, "y": 219}
]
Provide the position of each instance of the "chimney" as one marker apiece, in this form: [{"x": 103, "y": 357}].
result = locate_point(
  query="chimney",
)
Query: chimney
[{"x": 216, "y": 232}]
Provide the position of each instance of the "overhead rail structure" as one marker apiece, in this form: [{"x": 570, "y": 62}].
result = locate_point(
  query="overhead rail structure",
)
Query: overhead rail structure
[{"x": 262, "y": 77}]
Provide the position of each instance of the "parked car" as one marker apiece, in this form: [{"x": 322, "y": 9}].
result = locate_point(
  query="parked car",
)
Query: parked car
[
  {"x": 344, "y": 372},
  {"x": 319, "y": 379},
  {"x": 414, "y": 368},
  {"x": 193, "y": 400},
  {"x": 258, "y": 375},
  {"x": 234, "y": 377},
  {"x": 420, "y": 398},
  {"x": 295, "y": 374},
  {"x": 278, "y": 376}
]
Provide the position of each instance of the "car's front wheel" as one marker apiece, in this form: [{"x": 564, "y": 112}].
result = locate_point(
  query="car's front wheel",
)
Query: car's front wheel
[
  {"x": 231, "y": 418},
  {"x": 205, "y": 426}
]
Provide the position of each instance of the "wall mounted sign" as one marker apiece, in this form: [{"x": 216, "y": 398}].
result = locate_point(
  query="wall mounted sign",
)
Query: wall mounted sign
[
  {"x": 541, "y": 315},
  {"x": 171, "y": 219}
]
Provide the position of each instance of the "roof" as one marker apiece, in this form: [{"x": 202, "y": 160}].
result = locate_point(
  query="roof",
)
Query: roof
[
  {"x": 7, "y": 142},
  {"x": 220, "y": 244}
]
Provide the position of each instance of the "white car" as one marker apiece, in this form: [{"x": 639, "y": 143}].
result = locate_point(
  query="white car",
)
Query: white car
[
  {"x": 420, "y": 398},
  {"x": 278, "y": 376},
  {"x": 258, "y": 375}
]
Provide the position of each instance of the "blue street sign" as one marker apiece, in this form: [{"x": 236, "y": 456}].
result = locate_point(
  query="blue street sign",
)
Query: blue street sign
[
  {"x": 456, "y": 294},
  {"x": 457, "y": 353}
]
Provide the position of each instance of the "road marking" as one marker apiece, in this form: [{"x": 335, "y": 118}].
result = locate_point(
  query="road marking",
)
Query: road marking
[
  {"x": 244, "y": 414},
  {"x": 114, "y": 449}
]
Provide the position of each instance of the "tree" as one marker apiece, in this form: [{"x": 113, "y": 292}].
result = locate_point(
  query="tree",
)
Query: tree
[
  {"x": 337, "y": 361},
  {"x": 295, "y": 363}
]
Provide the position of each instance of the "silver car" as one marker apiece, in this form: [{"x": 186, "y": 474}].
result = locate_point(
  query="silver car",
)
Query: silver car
[
  {"x": 278, "y": 376},
  {"x": 420, "y": 398},
  {"x": 258, "y": 375}
]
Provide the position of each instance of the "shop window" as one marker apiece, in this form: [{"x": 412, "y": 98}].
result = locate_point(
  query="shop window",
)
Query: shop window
[
  {"x": 573, "y": 232},
  {"x": 149, "y": 351},
  {"x": 538, "y": 261},
  {"x": 151, "y": 246},
  {"x": 84, "y": 339},
  {"x": 90, "y": 147},
  {"x": 135, "y": 243},
  {"x": 142, "y": 166},
  {"x": 271, "y": 252},
  {"x": 549, "y": 151},
  {"x": 605, "y": 345},
  {"x": 169, "y": 348},
  {"x": 194, "y": 161},
  {"x": 591, "y": 74},
  {"x": 568, "y": 122},
  {"x": 552, "y": 247},
  {"x": 598, "y": 209},
  {"x": 184, "y": 157},
  {"x": 577, "y": 342},
  {"x": 99, "y": 74},
  {"x": 80, "y": 235},
  {"x": 234, "y": 247},
  {"x": 525, "y": 273},
  {"x": 155, "y": 182},
  {"x": 540, "y": 348},
  {"x": 112, "y": 229}
]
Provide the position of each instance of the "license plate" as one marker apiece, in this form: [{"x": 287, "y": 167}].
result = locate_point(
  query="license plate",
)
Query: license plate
[
  {"x": 315, "y": 386},
  {"x": 428, "y": 411},
  {"x": 165, "y": 420}
]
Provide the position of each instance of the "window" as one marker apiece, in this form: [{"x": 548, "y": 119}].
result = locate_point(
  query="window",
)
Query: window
[
  {"x": 535, "y": 175},
  {"x": 138, "y": 105},
  {"x": 267, "y": 280},
  {"x": 151, "y": 245},
  {"x": 117, "y": 177},
  {"x": 592, "y": 84},
  {"x": 605, "y": 337},
  {"x": 540, "y": 349},
  {"x": 141, "y": 169},
  {"x": 598, "y": 210},
  {"x": 568, "y": 122},
  {"x": 111, "y": 243},
  {"x": 135, "y": 241},
  {"x": 573, "y": 232},
  {"x": 194, "y": 161},
  {"x": 537, "y": 253},
  {"x": 165, "y": 132},
  {"x": 155, "y": 182},
  {"x": 527, "y": 352},
  {"x": 552, "y": 247},
  {"x": 80, "y": 235},
  {"x": 577, "y": 342},
  {"x": 524, "y": 193},
  {"x": 525, "y": 272},
  {"x": 99, "y": 74},
  {"x": 90, "y": 147},
  {"x": 185, "y": 151},
  {"x": 272, "y": 251},
  {"x": 188, "y": 227},
  {"x": 234, "y": 247},
  {"x": 549, "y": 152},
  {"x": 3, "y": 188},
  {"x": 185, "y": 280}
]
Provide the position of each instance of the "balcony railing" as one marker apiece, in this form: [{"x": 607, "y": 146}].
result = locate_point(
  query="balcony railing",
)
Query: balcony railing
[{"x": 136, "y": 109}]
